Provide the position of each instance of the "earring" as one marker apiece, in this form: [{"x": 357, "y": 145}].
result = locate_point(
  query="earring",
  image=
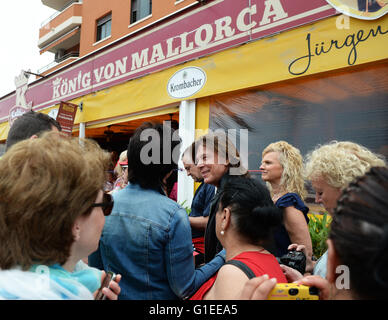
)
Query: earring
[
  {"x": 77, "y": 234},
  {"x": 222, "y": 232}
]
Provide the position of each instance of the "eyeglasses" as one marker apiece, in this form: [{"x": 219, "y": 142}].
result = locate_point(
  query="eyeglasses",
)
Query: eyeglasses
[{"x": 106, "y": 204}]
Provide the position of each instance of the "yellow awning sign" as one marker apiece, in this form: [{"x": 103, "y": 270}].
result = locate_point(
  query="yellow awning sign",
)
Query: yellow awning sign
[
  {"x": 361, "y": 9},
  {"x": 350, "y": 44},
  {"x": 308, "y": 50},
  {"x": 4, "y": 128}
]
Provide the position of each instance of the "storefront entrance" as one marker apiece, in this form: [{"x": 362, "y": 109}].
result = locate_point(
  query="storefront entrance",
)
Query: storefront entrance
[{"x": 115, "y": 136}]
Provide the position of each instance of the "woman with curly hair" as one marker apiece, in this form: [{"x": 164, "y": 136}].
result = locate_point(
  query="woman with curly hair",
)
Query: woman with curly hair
[
  {"x": 331, "y": 168},
  {"x": 358, "y": 243},
  {"x": 282, "y": 170}
]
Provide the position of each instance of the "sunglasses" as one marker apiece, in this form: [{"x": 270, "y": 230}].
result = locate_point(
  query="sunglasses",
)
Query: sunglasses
[{"x": 106, "y": 204}]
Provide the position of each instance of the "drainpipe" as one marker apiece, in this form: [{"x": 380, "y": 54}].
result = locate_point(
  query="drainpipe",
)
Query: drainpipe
[{"x": 187, "y": 134}]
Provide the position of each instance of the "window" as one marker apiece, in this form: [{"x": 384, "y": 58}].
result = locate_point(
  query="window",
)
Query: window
[
  {"x": 301, "y": 112},
  {"x": 104, "y": 27},
  {"x": 140, "y": 9}
]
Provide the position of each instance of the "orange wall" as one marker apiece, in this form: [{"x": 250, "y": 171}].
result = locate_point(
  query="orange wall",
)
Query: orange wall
[
  {"x": 96, "y": 9},
  {"x": 75, "y": 10}
]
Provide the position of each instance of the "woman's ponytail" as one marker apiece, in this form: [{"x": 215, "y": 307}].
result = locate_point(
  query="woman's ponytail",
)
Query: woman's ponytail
[{"x": 253, "y": 212}]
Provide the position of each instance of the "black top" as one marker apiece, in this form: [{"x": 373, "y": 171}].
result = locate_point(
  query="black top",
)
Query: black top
[
  {"x": 201, "y": 205},
  {"x": 212, "y": 245}
]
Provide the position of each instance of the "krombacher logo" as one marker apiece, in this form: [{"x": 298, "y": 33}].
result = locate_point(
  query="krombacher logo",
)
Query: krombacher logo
[{"x": 186, "y": 82}]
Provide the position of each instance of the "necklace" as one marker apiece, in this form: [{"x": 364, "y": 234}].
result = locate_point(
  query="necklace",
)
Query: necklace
[{"x": 276, "y": 196}]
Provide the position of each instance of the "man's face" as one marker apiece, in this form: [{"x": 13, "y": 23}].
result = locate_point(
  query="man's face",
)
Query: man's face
[
  {"x": 192, "y": 170},
  {"x": 211, "y": 166}
]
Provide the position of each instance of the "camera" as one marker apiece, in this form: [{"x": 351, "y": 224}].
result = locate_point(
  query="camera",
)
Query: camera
[
  {"x": 294, "y": 259},
  {"x": 292, "y": 291}
]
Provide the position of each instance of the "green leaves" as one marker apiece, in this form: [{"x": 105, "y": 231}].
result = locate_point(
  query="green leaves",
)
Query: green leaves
[
  {"x": 188, "y": 209},
  {"x": 319, "y": 232}
]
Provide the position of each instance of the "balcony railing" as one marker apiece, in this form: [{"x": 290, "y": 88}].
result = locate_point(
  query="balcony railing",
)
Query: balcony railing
[
  {"x": 58, "y": 61},
  {"x": 56, "y": 14}
]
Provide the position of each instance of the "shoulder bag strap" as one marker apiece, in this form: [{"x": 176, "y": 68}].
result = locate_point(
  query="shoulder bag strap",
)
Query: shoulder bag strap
[{"x": 243, "y": 267}]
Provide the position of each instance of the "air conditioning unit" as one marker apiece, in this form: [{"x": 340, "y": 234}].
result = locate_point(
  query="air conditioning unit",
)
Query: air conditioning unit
[{"x": 59, "y": 54}]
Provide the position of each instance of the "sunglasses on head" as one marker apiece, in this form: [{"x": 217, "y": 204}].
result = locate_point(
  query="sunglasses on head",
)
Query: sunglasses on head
[{"x": 106, "y": 204}]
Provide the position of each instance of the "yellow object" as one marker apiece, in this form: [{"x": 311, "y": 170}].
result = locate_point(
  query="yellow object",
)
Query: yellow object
[
  {"x": 319, "y": 217},
  {"x": 4, "y": 128},
  {"x": 292, "y": 291},
  {"x": 260, "y": 62}
]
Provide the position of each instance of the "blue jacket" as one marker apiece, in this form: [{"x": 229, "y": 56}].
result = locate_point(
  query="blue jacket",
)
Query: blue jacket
[{"x": 147, "y": 239}]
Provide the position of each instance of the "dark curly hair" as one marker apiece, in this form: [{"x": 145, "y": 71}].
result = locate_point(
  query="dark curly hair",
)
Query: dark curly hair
[{"x": 359, "y": 232}]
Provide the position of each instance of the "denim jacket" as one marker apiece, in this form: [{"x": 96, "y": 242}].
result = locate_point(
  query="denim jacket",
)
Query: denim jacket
[{"x": 147, "y": 239}]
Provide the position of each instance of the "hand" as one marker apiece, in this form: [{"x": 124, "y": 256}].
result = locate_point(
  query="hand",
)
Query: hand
[
  {"x": 309, "y": 262},
  {"x": 258, "y": 288},
  {"x": 113, "y": 290},
  {"x": 297, "y": 247},
  {"x": 291, "y": 274},
  {"x": 324, "y": 287}
]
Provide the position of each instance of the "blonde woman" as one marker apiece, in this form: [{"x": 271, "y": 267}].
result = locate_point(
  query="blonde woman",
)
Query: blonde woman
[
  {"x": 358, "y": 239},
  {"x": 282, "y": 170},
  {"x": 331, "y": 168},
  {"x": 121, "y": 172}
]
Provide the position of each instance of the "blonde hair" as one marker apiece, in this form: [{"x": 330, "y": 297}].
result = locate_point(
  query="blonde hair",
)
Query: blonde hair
[
  {"x": 118, "y": 170},
  {"x": 46, "y": 184},
  {"x": 292, "y": 162},
  {"x": 340, "y": 162}
]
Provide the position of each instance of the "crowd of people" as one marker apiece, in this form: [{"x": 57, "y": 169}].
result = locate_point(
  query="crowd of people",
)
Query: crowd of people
[{"x": 65, "y": 223}]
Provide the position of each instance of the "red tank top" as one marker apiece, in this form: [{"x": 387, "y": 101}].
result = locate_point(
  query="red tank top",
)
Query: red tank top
[{"x": 259, "y": 263}]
